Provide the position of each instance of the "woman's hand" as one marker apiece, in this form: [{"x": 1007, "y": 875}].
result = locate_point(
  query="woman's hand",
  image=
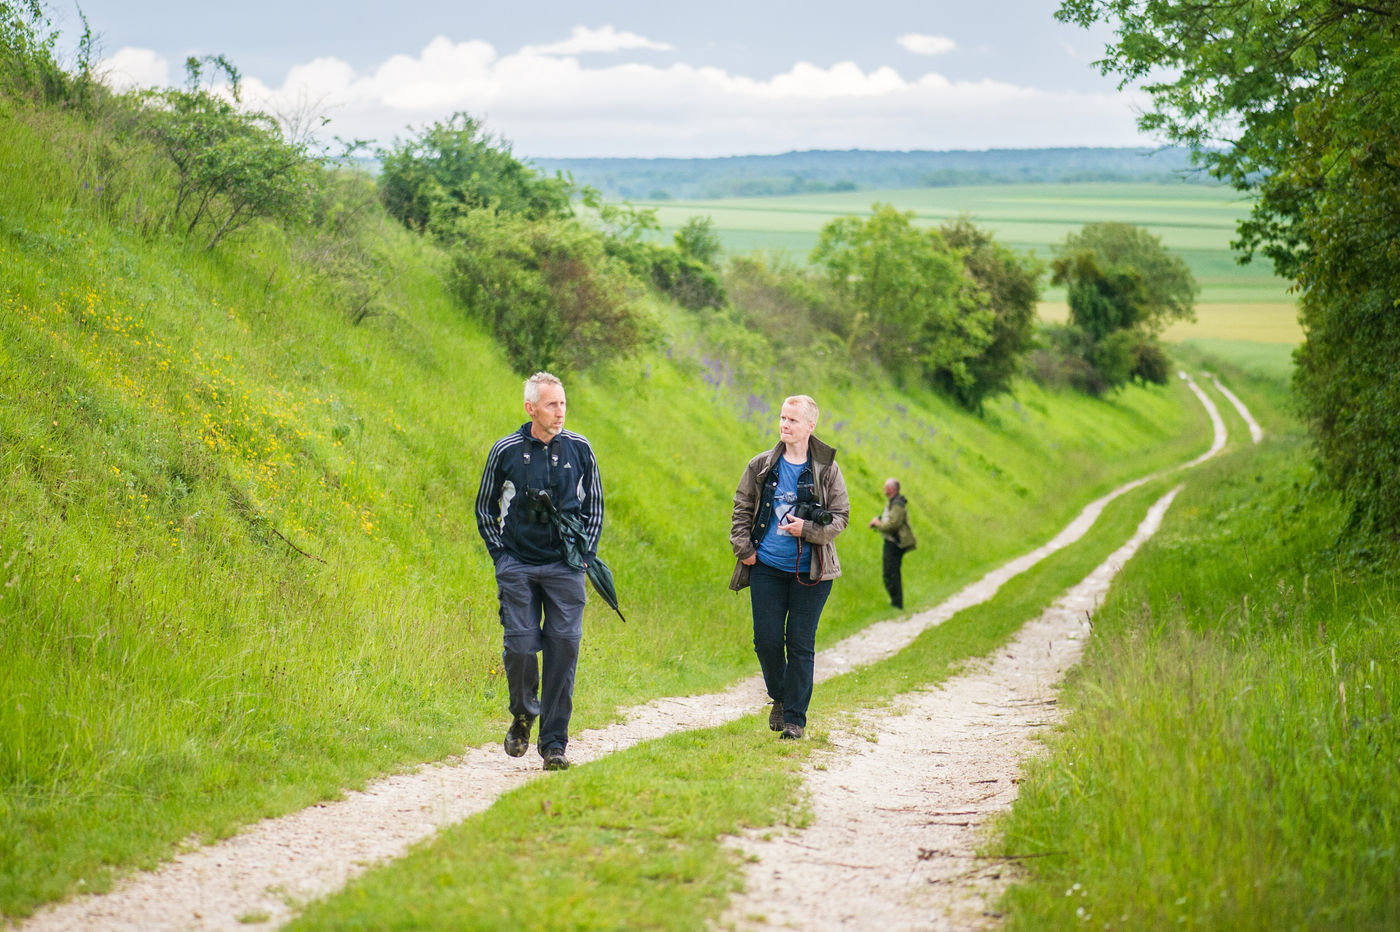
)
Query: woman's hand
[
  {"x": 793, "y": 526},
  {"x": 750, "y": 560}
]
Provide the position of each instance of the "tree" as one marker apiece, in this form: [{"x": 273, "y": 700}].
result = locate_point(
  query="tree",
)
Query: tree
[
  {"x": 455, "y": 167},
  {"x": 1166, "y": 289},
  {"x": 697, "y": 239},
  {"x": 1295, "y": 102},
  {"x": 1009, "y": 286},
  {"x": 913, "y": 307},
  {"x": 1123, "y": 287}
]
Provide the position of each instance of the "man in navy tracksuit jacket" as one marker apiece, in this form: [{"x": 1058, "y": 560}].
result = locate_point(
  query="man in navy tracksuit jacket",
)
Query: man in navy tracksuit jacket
[{"x": 541, "y": 596}]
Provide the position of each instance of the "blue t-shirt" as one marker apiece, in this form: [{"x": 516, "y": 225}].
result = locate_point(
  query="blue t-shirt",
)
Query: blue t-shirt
[{"x": 778, "y": 549}]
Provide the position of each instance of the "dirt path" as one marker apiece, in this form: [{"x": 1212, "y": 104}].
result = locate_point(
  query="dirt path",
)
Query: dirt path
[
  {"x": 897, "y": 820},
  {"x": 1256, "y": 433},
  {"x": 268, "y": 871}
]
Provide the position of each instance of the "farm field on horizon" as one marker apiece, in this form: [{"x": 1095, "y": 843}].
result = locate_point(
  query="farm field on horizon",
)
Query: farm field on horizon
[{"x": 1195, "y": 221}]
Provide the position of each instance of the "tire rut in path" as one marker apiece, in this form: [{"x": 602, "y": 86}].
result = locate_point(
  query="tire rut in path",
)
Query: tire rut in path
[{"x": 271, "y": 869}]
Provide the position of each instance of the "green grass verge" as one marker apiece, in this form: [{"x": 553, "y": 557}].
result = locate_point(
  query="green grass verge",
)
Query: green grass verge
[
  {"x": 636, "y": 840},
  {"x": 1232, "y": 760}
]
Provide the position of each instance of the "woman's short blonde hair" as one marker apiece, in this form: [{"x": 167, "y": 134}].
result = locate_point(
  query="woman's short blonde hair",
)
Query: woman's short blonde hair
[{"x": 807, "y": 404}]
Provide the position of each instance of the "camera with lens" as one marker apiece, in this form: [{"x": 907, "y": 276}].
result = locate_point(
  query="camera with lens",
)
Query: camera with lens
[
  {"x": 538, "y": 506},
  {"x": 813, "y": 512}
]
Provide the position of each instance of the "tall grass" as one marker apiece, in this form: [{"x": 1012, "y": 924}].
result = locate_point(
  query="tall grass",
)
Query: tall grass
[
  {"x": 239, "y": 570},
  {"x": 1232, "y": 757}
]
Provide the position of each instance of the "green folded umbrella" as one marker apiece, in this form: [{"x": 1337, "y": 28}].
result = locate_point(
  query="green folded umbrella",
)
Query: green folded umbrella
[{"x": 571, "y": 532}]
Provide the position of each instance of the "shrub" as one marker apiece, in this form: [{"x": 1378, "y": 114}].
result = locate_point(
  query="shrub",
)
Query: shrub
[
  {"x": 27, "y": 62},
  {"x": 548, "y": 290},
  {"x": 908, "y": 293},
  {"x": 1150, "y": 363},
  {"x": 1009, "y": 287},
  {"x": 232, "y": 166}
]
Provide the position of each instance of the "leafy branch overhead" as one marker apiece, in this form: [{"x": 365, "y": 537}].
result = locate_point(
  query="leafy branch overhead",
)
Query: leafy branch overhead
[{"x": 1295, "y": 102}]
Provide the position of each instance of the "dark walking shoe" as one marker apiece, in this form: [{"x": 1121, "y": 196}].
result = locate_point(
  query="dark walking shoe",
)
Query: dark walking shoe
[
  {"x": 554, "y": 759},
  {"x": 775, "y": 716},
  {"x": 518, "y": 736},
  {"x": 791, "y": 732}
]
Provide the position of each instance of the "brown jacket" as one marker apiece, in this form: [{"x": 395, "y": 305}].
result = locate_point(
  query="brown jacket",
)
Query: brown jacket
[{"x": 826, "y": 476}]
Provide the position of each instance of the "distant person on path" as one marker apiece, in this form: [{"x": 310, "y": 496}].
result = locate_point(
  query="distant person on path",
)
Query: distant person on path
[
  {"x": 790, "y": 505},
  {"x": 893, "y": 525},
  {"x": 541, "y": 596}
]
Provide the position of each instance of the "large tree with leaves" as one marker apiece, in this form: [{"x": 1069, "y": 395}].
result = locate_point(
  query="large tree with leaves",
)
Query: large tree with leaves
[
  {"x": 1296, "y": 101},
  {"x": 912, "y": 305}
]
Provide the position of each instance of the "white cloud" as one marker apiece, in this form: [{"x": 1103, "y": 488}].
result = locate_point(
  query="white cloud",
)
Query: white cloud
[
  {"x": 926, "y": 45},
  {"x": 548, "y": 104},
  {"x": 606, "y": 39},
  {"x": 131, "y": 68}
]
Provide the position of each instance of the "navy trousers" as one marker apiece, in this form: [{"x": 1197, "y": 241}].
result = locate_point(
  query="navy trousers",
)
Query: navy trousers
[
  {"x": 785, "y": 616},
  {"x": 541, "y": 613}
]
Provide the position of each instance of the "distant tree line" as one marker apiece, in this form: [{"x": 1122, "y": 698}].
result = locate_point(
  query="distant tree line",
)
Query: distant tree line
[{"x": 822, "y": 171}]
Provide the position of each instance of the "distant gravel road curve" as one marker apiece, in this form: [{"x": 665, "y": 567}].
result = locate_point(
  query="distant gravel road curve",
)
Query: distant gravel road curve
[{"x": 264, "y": 874}]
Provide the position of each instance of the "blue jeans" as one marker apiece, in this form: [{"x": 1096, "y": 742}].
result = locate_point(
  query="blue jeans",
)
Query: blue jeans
[
  {"x": 541, "y": 613},
  {"x": 785, "y": 616}
]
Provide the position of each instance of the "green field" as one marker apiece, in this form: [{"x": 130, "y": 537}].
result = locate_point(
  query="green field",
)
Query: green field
[{"x": 1195, "y": 221}]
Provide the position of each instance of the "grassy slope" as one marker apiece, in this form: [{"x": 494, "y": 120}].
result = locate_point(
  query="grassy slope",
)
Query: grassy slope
[
  {"x": 172, "y": 422},
  {"x": 1232, "y": 761}
]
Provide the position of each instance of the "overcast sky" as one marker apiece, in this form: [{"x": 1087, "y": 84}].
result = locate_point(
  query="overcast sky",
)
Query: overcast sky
[{"x": 617, "y": 78}]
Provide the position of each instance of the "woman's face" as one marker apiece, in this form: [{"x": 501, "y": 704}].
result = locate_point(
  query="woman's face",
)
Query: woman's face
[{"x": 793, "y": 426}]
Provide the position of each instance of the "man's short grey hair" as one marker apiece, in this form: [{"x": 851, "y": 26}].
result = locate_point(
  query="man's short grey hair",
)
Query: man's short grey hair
[
  {"x": 533, "y": 383},
  {"x": 808, "y": 406},
  {"x": 894, "y": 482}
]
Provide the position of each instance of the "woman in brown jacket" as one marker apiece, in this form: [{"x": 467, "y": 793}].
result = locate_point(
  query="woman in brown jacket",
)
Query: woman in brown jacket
[{"x": 790, "y": 505}]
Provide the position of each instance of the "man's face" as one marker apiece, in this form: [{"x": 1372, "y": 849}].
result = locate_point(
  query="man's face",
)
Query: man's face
[
  {"x": 890, "y": 489},
  {"x": 547, "y": 414},
  {"x": 792, "y": 424}
]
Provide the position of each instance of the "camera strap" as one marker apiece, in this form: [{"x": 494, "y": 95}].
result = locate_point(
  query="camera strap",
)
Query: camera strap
[{"x": 797, "y": 567}]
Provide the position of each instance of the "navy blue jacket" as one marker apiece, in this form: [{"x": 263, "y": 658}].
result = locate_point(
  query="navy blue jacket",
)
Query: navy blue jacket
[{"x": 565, "y": 467}]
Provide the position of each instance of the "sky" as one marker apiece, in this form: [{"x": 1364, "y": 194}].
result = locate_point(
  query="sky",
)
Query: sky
[{"x": 612, "y": 78}]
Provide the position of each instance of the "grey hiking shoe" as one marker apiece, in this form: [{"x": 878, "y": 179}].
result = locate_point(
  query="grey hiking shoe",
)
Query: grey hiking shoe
[
  {"x": 554, "y": 759},
  {"x": 518, "y": 736},
  {"x": 775, "y": 716},
  {"x": 791, "y": 732}
]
